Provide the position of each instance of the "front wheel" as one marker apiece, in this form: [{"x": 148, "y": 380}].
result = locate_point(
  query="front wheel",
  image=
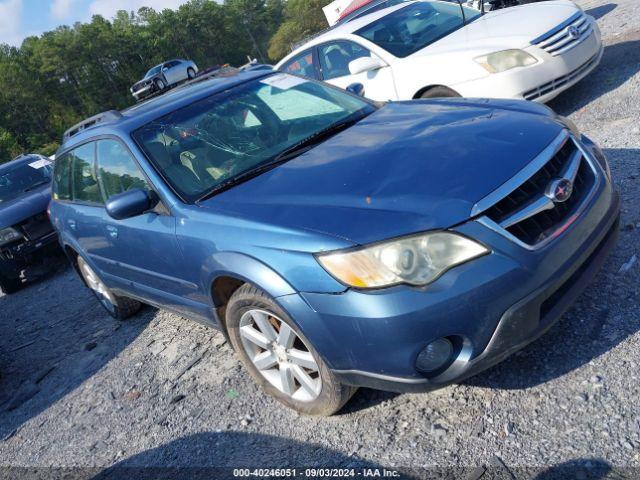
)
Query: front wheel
[
  {"x": 440, "y": 92},
  {"x": 278, "y": 356},
  {"x": 160, "y": 85},
  {"x": 119, "y": 308}
]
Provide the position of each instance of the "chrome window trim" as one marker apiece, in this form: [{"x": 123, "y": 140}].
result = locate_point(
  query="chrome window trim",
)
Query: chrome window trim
[{"x": 522, "y": 177}]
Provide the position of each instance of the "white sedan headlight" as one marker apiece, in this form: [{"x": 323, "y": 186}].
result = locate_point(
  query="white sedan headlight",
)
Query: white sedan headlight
[
  {"x": 9, "y": 235},
  {"x": 418, "y": 260},
  {"x": 506, "y": 60}
]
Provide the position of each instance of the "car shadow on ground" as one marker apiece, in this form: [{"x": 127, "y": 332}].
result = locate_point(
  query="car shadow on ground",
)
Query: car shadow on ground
[
  {"x": 601, "y": 319},
  {"x": 211, "y": 455},
  {"x": 54, "y": 336},
  {"x": 601, "y": 10},
  {"x": 620, "y": 62},
  {"x": 216, "y": 455}
]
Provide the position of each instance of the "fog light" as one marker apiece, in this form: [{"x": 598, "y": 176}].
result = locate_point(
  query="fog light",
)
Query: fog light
[{"x": 434, "y": 356}]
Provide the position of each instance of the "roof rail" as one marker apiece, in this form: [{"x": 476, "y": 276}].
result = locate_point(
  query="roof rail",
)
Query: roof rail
[{"x": 110, "y": 116}]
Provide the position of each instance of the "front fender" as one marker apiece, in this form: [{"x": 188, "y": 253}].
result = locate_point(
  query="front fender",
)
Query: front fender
[{"x": 247, "y": 269}]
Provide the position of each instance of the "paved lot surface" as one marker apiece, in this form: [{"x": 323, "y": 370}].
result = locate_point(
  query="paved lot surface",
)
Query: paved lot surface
[{"x": 80, "y": 390}]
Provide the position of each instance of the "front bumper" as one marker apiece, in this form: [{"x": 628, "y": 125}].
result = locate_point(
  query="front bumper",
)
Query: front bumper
[
  {"x": 17, "y": 258},
  {"x": 543, "y": 81},
  {"x": 494, "y": 306}
]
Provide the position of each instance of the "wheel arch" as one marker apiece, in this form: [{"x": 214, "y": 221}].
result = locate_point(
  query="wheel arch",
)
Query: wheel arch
[
  {"x": 231, "y": 270},
  {"x": 423, "y": 90}
]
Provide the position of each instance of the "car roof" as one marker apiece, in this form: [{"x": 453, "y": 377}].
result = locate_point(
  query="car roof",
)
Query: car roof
[
  {"x": 345, "y": 29},
  {"x": 123, "y": 122}
]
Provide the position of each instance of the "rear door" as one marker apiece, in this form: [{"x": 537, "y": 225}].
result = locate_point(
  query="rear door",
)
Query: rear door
[{"x": 334, "y": 58}]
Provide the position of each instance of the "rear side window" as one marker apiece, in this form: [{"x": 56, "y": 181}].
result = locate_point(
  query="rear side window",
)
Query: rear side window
[
  {"x": 84, "y": 184},
  {"x": 118, "y": 172},
  {"x": 61, "y": 187},
  {"x": 301, "y": 65}
]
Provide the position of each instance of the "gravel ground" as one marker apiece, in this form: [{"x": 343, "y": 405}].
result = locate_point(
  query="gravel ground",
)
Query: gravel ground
[{"x": 81, "y": 390}]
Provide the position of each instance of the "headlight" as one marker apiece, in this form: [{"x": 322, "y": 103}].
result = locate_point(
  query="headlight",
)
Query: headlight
[
  {"x": 505, "y": 60},
  {"x": 9, "y": 235},
  {"x": 573, "y": 128},
  {"x": 418, "y": 260}
]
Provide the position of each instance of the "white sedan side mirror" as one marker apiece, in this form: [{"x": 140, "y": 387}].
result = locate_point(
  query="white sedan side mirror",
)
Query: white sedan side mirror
[{"x": 365, "y": 64}]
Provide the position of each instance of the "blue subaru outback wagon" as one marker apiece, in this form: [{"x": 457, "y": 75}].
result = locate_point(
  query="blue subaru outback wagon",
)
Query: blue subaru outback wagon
[{"x": 337, "y": 243}]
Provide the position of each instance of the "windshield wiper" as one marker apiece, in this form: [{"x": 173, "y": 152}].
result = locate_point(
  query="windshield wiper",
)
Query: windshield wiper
[
  {"x": 290, "y": 153},
  {"x": 35, "y": 185}
]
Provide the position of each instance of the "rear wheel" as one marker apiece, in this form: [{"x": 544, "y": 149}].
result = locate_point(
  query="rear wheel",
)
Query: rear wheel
[
  {"x": 10, "y": 285},
  {"x": 191, "y": 73},
  {"x": 278, "y": 356},
  {"x": 439, "y": 92},
  {"x": 119, "y": 308}
]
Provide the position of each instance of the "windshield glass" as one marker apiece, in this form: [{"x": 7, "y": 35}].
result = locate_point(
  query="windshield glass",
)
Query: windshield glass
[
  {"x": 153, "y": 71},
  {"x": 416, "y": 26},
  {"x": 226, "y": 136},
  {"x": 23, "y": 177}
]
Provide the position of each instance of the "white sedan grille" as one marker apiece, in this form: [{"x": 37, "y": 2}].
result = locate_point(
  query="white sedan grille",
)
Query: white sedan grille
[{"x": 569, "y": 35}]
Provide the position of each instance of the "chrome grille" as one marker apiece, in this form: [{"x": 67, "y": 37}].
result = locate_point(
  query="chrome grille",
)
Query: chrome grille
[
  {"x": 565, "y": 36},
  {"x": 530, "y": 210}
]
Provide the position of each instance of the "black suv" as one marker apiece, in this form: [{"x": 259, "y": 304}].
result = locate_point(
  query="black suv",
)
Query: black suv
[{"x": 26, "y": 234}]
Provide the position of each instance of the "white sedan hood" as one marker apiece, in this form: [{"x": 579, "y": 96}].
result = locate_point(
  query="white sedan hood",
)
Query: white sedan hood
[{"x": 512, "y": 27}]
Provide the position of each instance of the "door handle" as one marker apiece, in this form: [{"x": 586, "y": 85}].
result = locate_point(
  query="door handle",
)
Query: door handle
[
  {"x": 113, "y": 231},
  {"x": 72, "y": 224}
]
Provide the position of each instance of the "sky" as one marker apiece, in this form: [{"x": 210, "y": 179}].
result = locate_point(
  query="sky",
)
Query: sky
[{"x": 22, "y": 18}]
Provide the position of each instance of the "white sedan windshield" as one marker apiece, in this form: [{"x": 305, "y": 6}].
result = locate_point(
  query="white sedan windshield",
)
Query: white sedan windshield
[{"x": 416, "y": 26}]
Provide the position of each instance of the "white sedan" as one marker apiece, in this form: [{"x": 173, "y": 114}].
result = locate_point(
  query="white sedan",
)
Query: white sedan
[{"x": 432, "y": 48}]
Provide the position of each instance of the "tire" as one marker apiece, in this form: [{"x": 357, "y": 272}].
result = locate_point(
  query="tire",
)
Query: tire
[
  {"x": 10, "y": 285},
  {"x": 439, "y": 92},
  {"x": 191, "y": 73},
  {"x": 120, "y": 308},
  {"x": 324, "y": 395},
  {"x": 160, "y": 85}
]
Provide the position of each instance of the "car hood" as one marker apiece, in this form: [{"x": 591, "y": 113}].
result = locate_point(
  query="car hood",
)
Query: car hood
[
  {"x": 513, "y": 27},
  {"x": 13, "y": 212},
  {"x": 408, "y": 167}
]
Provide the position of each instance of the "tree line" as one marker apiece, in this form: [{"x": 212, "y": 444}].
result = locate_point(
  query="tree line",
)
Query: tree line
[{"x": 57, "y": 79}]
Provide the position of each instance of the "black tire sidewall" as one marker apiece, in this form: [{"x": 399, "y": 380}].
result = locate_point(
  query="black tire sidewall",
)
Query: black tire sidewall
[
  {"x": 333, "y": 393},
  {"x": 440, "y": 92},
  {"x": 191, "y": 73}
]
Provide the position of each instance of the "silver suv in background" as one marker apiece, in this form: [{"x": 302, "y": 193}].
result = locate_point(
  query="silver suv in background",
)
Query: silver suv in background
[{"x": 164, "y": 76}]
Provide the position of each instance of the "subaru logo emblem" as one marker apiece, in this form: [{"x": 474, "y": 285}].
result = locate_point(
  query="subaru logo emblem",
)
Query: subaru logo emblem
[
  {"x": 560, "y": 190},
  {"x": 574, "y": 32}
]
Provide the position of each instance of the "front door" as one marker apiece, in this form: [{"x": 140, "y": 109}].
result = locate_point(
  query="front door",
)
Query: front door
[{"x": 334, "y": 59}]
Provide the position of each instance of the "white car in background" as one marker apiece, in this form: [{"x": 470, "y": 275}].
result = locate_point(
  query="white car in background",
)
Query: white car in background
[{"x": 423, "y": 49}]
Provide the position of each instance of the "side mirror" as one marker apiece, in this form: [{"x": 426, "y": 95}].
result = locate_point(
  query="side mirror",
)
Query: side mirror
[
  {"x": 165, "y": 69},
  {"x": 356, "y": 89},
  {"x": 130, "y": 204},
  {"x": 365, "y": 64}
]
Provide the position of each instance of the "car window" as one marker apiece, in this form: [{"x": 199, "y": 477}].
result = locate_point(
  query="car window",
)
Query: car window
[
  {"x": 416, "y": 26},
  {"x": 154, "y": 71},
  {"x": 301, "y": 65},
  {"x": 84, "y": 185},
  {"x": 118, "y": 172},
  {"x": 207, "y": 145},
  {"x": 61, "y": 187},
  {"x": 335, "y": 58}
]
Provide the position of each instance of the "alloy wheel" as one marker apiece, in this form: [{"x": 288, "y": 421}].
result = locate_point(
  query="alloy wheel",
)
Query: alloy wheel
[
  {"x": 280, "y": 355},
  {"x": 100, "y": 289}
]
